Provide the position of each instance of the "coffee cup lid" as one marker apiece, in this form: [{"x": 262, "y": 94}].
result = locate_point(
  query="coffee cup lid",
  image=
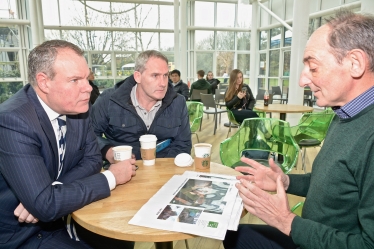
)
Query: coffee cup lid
[
  {"x": 183, "y": 160},
  {"x": 148, "y": 138}
]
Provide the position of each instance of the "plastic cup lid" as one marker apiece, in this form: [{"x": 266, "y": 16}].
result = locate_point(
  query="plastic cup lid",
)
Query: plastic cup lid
[{"x": 183, "y": 160}]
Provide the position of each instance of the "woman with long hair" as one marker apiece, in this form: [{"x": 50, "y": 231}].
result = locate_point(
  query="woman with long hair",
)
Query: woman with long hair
[
  {"x": 212, "y": 81},
  {"x": 239, "y": 98}
]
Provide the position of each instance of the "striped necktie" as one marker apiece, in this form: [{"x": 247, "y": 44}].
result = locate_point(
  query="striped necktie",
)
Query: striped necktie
[
  {"x": 61, "y": 141},
  {"x": 68, "y": 221}
]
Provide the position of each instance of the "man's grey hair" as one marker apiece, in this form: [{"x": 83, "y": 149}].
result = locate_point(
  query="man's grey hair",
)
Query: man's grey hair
[
  {"x": 42, "y": 58},
  {"x": 145, "y": 56},
  {"x": 351, "y": 31}
]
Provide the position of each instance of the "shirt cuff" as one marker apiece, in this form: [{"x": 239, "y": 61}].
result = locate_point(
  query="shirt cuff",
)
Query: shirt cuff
[{"x": 111, "y": 179}]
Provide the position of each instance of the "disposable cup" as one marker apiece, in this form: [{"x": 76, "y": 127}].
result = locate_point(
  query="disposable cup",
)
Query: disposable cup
[
  {"x": 148, "y": 149},
  {"x": 202, "y": 156},
  {"x": 121, "y": 153}
]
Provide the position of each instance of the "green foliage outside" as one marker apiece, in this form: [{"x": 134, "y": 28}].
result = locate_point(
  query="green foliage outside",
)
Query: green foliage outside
[{"x": 7, "y": 89}]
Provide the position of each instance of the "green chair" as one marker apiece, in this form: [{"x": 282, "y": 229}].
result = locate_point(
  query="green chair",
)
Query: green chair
[
  {"x": 195, "y": 113},
  {"x": 298, "y": 208},
  {"x": 258, "y": 138},
  {"x": 311, "y": 130},
  {"x": 232, "y": 119}
]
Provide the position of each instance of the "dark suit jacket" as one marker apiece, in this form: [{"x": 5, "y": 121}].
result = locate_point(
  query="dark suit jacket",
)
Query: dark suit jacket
[{"x": 29, "y": 166}]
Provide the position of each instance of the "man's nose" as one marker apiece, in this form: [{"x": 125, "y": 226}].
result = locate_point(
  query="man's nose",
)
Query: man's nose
[{"x": 304, "y": 79}]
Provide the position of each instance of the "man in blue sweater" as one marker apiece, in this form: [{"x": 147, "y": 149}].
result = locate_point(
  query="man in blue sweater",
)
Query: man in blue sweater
[{"x": 338, "y": 210}]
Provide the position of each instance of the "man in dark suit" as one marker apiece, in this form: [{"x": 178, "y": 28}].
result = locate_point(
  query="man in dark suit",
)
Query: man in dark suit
[{"x": 42, "y": 180}]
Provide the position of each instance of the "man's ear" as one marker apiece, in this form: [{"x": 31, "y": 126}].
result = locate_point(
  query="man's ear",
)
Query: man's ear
[
  {"x": 42, "y": 82},
  {"x": 137, "y": 76},
  {"x": 359, "y": 61}
]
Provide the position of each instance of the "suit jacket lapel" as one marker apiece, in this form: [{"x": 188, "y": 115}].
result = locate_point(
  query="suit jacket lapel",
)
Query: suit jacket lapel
[
  {"x": 72, "y": 134},
  {"x": 46, "y": 126}
]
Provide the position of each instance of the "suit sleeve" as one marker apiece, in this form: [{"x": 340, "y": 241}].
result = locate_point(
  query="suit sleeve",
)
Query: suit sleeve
[{"x": 27, "y": 164}]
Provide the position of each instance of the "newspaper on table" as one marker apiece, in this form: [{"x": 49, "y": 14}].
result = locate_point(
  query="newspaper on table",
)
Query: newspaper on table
[{"x": 197, "y": 203}]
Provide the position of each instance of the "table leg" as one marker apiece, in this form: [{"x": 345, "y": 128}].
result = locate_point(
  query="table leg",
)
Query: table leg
[{"x": 164, "y": 245}]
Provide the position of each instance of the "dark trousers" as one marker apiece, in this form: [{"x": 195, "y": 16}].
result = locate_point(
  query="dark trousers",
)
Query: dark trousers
[
  {"x": 251, "y": 236},
  {"x": 97, "y": 241},
  {"x": 243, "y": 114}
]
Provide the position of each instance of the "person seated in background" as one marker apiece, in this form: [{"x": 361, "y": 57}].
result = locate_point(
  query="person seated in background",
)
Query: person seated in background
[
  {"x": 178, "y": 85},
  {"x": 50, "y": 161},
  {"x": 95, "y": 90},
  {"x": 200, "y": 84},
  {"x": 338, "y": 209},
  {"x": 239, "y": 98},
  {"x": 143, "y": 103},
  {"x": 212, "y": 81}
]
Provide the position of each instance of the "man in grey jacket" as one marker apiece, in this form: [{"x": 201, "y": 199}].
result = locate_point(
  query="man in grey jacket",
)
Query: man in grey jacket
[{"x": 144, "y": 103}]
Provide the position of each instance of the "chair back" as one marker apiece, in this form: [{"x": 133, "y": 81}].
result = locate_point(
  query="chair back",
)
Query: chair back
[
  {"x": 195, "y": 113},
  {"x": 260, "y": 94},
  {"x": 231, "y": 117},
  {"x": 258, "y": 135},
  {"x": 313, "y": 126},
  {"x": 208, "y": 100},
  {"x": 276, "y": 90},
  {"x": 196, "y": 93}
]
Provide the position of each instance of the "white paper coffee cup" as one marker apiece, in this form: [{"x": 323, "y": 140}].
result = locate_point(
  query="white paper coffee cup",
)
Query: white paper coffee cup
[
  {"x": 202, "y": 155},
  {"x": 121, "y": 153},
  {"x": 148, "y": 149}
]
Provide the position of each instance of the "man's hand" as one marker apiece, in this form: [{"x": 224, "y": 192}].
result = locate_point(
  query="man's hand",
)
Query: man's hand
[
  {"x": 264, "y": 177},
  {"x": 123, "y": 171},
  {"x": 272, "y": 209},
  {"x": 23, "y": 215},
  {"x": 109, "y": 155}
]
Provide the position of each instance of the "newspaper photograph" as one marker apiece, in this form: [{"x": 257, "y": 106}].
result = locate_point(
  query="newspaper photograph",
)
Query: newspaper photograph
[{"x": 191, "y": 205}]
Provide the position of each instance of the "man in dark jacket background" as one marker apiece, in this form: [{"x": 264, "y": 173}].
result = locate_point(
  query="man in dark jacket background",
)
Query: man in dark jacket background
[
  {"x": 178, "y": 85},
  {"x": 144, "y": 103},
  {"x": 200, "y": 84}
]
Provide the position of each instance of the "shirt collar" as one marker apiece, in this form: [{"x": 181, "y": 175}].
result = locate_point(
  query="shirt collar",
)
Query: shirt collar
[
  {"x": 135, "y": 100},
  {"x": 52, "y": 115},
  {"x": 356, "y": 105}
]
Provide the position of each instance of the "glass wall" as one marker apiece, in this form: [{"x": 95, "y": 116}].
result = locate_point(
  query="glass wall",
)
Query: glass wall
[
  {"x": 111, "y": 33},
  {"x": 229, "y": 43}
]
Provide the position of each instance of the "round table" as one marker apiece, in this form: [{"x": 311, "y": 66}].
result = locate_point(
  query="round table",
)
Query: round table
[
  {"x": 110, "y": 216},
  {"x": 283, "y": 109}
]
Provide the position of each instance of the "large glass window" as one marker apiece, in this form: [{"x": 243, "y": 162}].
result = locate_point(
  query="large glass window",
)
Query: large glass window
[
  {"x": 204, "y": 14},
  {"x": 9, "y": 36},
  {"x": 274, "y": 63},
  {"x": 224, "y": 19},
  {"x": 10, "y": 11},
  {"x": 243, "y": 62},
  {"x": 204, "y": 40},
  {"x": 101, "y": 64},
  {"x": 286, "y": 63},
  {"x": 262, "y": 69},
  {"x": 9, "y": 65},
  {"x": 225, "y": 62},
  {"x": 204, "y": 61},
  {"x": 244, "y": 13},
  {"x": 275, "y": 37},
  {"x": 125, "y": 64},
  {"x": 244, "y": 40},
  {"x": 263, "y": 40},
  {"x": 225, "y": 40},
  {"x": 7, "y": 89}
]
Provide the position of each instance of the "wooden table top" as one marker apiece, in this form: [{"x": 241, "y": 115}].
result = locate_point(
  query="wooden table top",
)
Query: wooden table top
[
  {"x": 110, "y": 216},
  {"x": 282, "y": 108}
]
